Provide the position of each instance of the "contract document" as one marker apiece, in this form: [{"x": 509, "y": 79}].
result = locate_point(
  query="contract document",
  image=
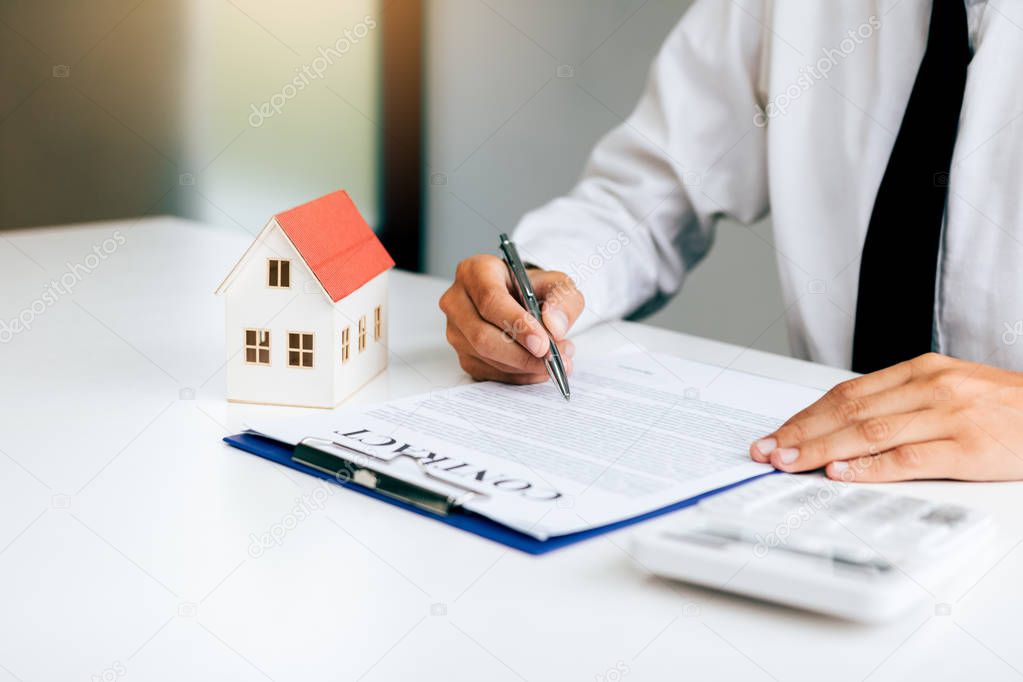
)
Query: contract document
[{"x": 642, "y": 431}]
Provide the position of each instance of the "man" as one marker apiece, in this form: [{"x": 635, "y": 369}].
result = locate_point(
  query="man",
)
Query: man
[{"x": 884, "y": 137}]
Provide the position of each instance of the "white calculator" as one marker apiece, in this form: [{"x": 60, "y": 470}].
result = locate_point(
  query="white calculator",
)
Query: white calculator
[{"x": 817, "y": 544}]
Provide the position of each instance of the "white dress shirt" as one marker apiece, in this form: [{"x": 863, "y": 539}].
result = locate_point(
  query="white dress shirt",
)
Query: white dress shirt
[{"x": 792, "y": 107}]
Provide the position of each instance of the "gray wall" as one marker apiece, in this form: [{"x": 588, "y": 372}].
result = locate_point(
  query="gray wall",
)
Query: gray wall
[
  {"x": 89, "y": 109},
  {"x": 506, "y": 134},
  {"x": 119, "y": 108}
]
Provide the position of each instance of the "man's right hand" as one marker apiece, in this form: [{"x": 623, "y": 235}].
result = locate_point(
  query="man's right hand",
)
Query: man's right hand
[{"x": 494, "y": 336}]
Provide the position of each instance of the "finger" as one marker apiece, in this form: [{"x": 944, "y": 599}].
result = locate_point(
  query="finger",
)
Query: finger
[
  {"x": 482, "y": 371},
  {"x": 533, "y": 365},
  {"x": 934, "y": 459},
  {"x": 525, "y": 363},
  {"x": 911, "y": 397},
  {"x": 867, "y": 437},
  {"x": 487, "y": 341},
  {"x": 487, "y": 285},
  {"x": 562, "y": 301},
  {"x": 881, "y": 380}
]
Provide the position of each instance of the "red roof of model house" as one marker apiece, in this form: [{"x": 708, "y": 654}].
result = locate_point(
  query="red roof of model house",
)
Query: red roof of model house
[{"x": 336, "y": 243}]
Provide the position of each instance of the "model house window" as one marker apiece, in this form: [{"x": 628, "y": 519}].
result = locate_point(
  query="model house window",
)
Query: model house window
[
  {"x": 300, "y": 349},
  {"x": 278, "y": 273},
  {"x": 362, "y": 333},
  {"x": 346, "y": 334},
  {"x": 257, "y": 346},
  {"x": 377, "y": 322}
]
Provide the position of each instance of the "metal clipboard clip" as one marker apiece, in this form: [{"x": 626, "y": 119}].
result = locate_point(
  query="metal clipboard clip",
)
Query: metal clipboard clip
[{"x": 347, "y": 464}]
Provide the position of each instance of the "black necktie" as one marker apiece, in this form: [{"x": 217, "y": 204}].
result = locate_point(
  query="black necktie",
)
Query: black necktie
[{"x": 895, "y": 306}]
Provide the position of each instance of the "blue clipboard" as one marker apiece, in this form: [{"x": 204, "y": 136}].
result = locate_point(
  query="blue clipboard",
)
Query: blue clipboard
[{"x": 278, "y": 452}]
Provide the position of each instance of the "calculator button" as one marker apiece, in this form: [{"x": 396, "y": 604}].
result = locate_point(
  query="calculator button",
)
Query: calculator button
[
  {"x": 821, "y": 524},
  {"x": 797, "y": 499},
  {"x": 869, "y": 531},
  {"x": 914, "y": 537},
  {"x": 946, "y": 515},
  {"x": 910, "y": 506},
  {"x": 854, "y": 503},
  {"x": 884, "y": 513}
]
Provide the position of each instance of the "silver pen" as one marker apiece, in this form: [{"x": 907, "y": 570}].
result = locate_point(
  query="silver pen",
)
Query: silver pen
[{"x": 524, "y": 289}]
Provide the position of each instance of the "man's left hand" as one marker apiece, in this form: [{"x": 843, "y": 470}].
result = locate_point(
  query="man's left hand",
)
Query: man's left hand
[{"x": 929, "y": 417}]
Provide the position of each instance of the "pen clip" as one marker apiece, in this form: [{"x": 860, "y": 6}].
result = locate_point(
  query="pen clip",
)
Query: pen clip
[{"x": 520, "y": 278}]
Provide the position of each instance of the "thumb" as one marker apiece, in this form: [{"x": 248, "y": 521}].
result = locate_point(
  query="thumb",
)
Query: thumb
[{"x": 561, "y": 301}]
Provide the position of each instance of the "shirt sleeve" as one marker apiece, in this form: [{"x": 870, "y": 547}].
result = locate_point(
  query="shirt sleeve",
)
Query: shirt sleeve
[{"x": 692, "y": 151}]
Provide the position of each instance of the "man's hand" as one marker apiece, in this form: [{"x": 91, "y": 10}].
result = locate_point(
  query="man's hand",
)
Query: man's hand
[
  {"x": 494, "y": 336},
  {"x": 930, "y": 417}
]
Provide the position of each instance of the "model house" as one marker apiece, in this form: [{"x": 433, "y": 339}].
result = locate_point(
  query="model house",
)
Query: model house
[{"x": 306, "y": 308}]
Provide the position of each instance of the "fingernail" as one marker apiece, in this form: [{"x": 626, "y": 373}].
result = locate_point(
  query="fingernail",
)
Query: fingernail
[
  {"x": 788, "y": 455},
  {"x": 557, "y": 323},
  {"x": 839, "y": 467},
  {"x": 569, "y": 349},
  {"x": 535, "y": 344},
  {"x": 766, "y": 446}
]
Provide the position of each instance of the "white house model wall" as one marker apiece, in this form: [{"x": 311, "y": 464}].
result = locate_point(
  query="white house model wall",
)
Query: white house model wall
[{"x": 288, "y": 343}]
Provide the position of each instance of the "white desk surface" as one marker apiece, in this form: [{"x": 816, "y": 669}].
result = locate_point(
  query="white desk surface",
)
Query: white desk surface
[{"x": 126, "y": 523}]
